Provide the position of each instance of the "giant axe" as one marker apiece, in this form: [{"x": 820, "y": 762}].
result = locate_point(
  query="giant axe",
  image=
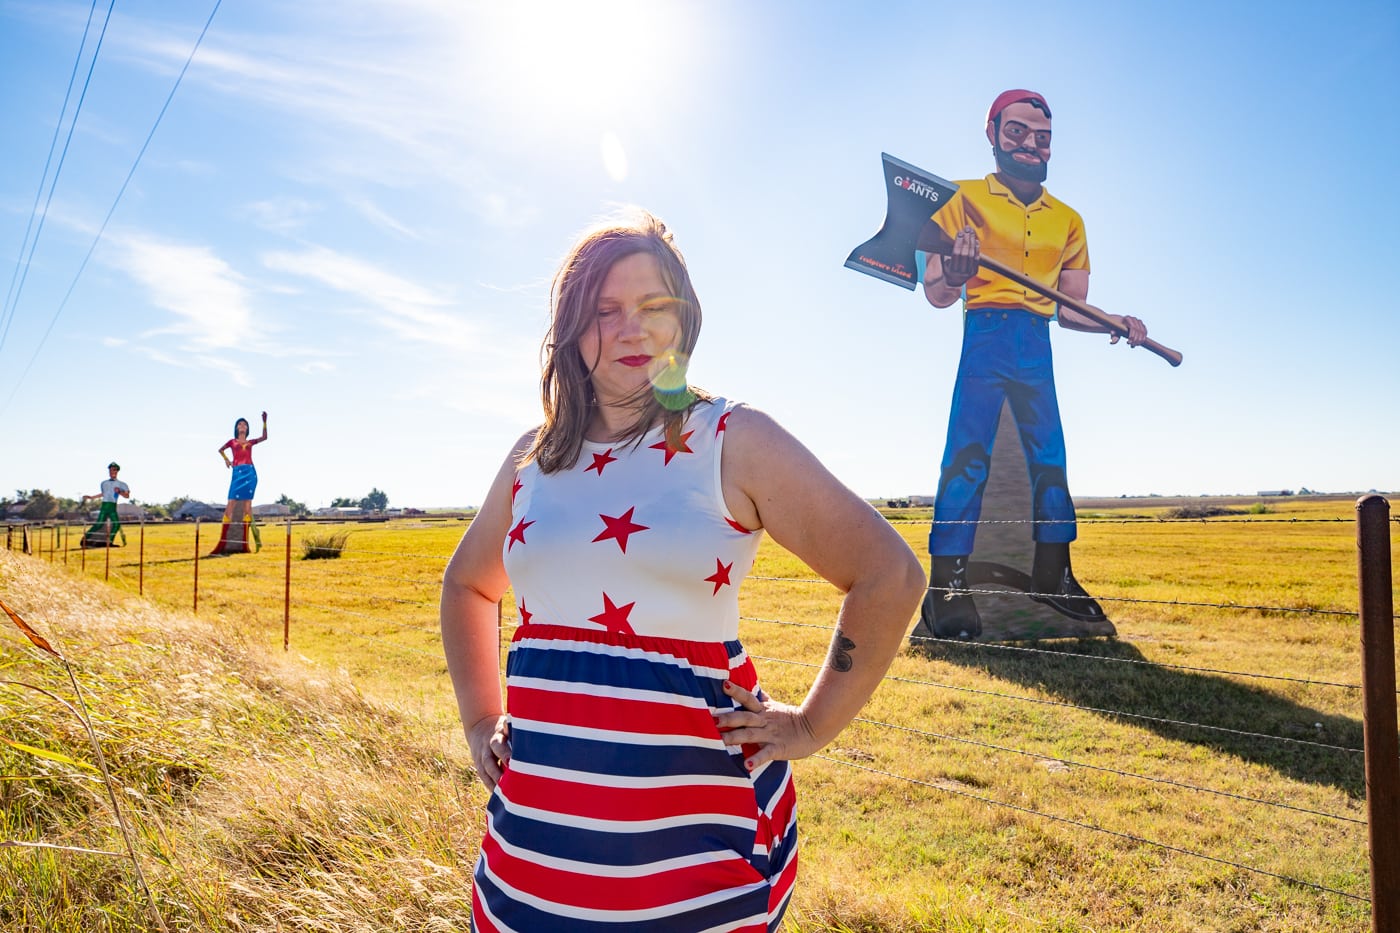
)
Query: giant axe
[{"x": 913, "y": 196}]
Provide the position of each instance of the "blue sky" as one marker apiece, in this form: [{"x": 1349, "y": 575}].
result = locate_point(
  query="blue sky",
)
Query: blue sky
[{"x": 350, "y": 213}]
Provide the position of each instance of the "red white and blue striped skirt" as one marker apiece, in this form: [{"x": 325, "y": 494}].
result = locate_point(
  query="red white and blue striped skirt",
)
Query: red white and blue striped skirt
[{"x": 621, "y": 808}]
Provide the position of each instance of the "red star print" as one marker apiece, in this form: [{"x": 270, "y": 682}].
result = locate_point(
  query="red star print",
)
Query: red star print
[
  {"x": 515, "y": 487},
  {"x": 720, "y": 577},
  {"x": 722, "y": 423},
  {"x": 619, "y": 528},
  {"x": 614, "y": 618},
  {"x": 672, "y": 451},
  {"x": 525, "y": 614},
  {"x": 601, "y": 460},
  {"x": 517, "y": 534},
  {"x": 737, "y": 527}
]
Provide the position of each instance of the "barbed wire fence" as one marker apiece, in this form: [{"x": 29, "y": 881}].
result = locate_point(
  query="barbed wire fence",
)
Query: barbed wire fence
[{"x": 414, "y": 613}]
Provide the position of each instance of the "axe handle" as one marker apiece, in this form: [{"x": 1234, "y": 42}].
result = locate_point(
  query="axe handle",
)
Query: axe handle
[
  {"x": 934, "y": 240},
  {"x": 1088, "y": 310}
]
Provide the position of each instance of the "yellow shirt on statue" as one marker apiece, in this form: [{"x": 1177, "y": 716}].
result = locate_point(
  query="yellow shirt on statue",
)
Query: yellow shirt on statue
[{"x": 1040, "y": 240}]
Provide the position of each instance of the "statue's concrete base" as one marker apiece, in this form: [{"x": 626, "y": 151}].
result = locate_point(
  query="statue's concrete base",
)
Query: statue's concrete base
[{"x": 1000, "y": 566}]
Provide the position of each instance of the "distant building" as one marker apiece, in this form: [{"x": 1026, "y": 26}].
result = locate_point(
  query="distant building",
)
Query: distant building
[
  {"x": 192, "y": 509},
  {"x": 129, "y": 512},
  {"x": 339, "y": 511},
  {"x": 1275, "y": 492},
  {"x": 272, "y": 510}
]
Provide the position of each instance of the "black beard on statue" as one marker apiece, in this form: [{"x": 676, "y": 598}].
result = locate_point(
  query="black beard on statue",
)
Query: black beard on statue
[{"x": 1022, "y": 171}]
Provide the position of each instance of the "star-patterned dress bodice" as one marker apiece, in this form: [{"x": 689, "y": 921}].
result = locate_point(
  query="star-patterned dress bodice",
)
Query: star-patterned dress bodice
[{"x": 635, "y": 538}]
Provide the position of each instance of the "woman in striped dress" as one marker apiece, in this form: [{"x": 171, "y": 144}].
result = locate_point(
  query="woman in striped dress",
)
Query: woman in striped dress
[{"x": 639, "y": 773}]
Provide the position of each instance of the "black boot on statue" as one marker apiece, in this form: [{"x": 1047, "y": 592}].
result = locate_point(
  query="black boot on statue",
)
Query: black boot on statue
[
  {"x": 1054, "y": 585},
  {"x": 948, "y": 608}
]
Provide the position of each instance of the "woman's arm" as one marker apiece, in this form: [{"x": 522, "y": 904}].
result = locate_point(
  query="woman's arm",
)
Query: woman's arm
[
  {"x": 474, "y": 582},
  {"x": 772, "y": 481},
  {"x": 259, "y": 440}
]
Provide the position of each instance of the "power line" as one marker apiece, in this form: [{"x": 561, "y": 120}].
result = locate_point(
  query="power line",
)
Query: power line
[
  {"x": 21, "y": 259},
  {"x": 103, "y": 229}
]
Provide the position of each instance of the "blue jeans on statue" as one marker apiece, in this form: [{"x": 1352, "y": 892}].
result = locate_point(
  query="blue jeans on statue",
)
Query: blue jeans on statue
[{"x": 1005, "y": 358}]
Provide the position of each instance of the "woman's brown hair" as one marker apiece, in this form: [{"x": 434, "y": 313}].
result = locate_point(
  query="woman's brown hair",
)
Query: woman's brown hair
[{"x": 566, "y": 386}]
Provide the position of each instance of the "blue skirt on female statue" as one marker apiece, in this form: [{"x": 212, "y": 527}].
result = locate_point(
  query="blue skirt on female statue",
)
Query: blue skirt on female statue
[{"x": 244, "y": 482}]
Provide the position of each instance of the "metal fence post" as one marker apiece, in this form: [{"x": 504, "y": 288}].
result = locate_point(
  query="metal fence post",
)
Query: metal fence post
[
  {"x": 1378, "y": 727},
  {"x": 141, "y": 561}
]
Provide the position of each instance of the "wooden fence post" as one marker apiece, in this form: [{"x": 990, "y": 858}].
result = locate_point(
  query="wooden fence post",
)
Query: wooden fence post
[
  {"x": 1378, "y": 725},
  {"x": 196, "y": 566},
  {"x": 287, "y": 592}
]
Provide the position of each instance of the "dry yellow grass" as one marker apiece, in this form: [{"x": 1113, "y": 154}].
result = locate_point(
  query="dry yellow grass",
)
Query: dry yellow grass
[{"x": 326, "y": 788}]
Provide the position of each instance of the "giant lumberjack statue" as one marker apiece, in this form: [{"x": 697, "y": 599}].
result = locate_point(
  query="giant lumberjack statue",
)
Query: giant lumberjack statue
[{"x": 1008, "y": 220}]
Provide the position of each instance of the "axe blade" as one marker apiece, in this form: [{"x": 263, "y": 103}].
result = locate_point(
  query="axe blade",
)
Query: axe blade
[{"x": 912, "y": 195}]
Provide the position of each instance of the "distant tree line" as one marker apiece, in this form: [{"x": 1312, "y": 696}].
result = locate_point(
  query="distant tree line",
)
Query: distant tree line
[
  {"x": 41, "y": 504},
  {"x": 376, "y": 501}
]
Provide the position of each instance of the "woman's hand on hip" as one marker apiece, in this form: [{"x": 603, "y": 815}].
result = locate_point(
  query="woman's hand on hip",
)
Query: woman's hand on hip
[
  {"x": 489, "y": 740},
  {"x": 780, "y": 731}
]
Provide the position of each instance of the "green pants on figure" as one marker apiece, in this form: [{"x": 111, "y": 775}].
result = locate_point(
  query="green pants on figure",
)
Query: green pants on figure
[{"x": 107, "y": 515}]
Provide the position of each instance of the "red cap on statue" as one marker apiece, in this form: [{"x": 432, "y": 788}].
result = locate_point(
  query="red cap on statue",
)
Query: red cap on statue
[{"x": 1007, "y": 98}]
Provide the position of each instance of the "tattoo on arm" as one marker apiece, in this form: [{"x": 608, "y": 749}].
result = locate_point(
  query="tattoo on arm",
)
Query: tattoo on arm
[{"x": 840, "y": 658}]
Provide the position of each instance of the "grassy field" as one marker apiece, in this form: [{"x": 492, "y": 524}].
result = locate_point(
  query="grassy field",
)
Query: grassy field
[{"x": 1195, "y": 773}]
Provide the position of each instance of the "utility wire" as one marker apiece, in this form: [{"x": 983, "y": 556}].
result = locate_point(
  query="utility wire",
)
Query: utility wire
[
  {"x": 21, "y": 260},
  {"x": 919, "y": 640},
  {"x": 1301, "y": 610},
  {"x": 1085, "y": 709},
  {"x": 1128, "y": 774},
  {"x": 103, "y": 229},
  {"x": 1090, "y": 826},
  {"x": 1206, "y": 520}
]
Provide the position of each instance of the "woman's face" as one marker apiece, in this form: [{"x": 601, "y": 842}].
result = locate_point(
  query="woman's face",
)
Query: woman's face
[
  {"x": 240, "y": 429},
  {"x": 635, "y": 329}
]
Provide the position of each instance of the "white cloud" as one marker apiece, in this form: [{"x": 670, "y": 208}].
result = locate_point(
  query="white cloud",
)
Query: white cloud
[
  {"x": 208, "y": 298},
  {"x": 411, "y": 100},
  {"x": 236, "y": 372},
  {"x": 404, "y": 307},
  {"x": 211, "y": 308},
  {"x": 377, "y": 215},
  {"x": 282, "y": 215}
]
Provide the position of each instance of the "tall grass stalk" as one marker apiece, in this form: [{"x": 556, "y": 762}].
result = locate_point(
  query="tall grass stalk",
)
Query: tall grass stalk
[
  {"x": 84, "y": 717},
  {"x": 324, "y": 546}
]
